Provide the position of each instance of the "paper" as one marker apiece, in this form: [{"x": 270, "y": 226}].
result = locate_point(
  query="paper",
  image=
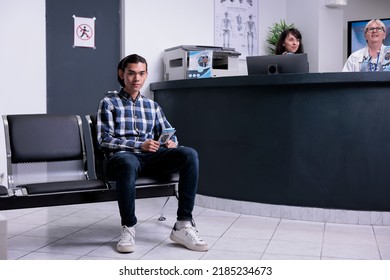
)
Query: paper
[{"x": 84, "y": 32}]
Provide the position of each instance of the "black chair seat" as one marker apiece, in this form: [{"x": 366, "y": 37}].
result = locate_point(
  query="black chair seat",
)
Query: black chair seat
[{"x": 64, "y": 186}]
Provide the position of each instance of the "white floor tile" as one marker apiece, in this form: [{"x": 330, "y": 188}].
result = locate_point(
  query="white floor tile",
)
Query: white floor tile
[
  {"x": 98, "y": 215},
  {"x": 94, "y": 235},
  {"x": 384, "y": 252},
  {"x": 71, "y": 247},
  {"x": 75, "y": 221},
  {"x": 295, "y": 248},
  {"x": 16, "y": 254},
  {"x": 36, "y": 218},
  {"x": 108, "y": 250},
  {"x": 28, "y": 243},
  {"x": 249, "y": 245},
  {"x": 14, "y": 229},
  {"x": 347, "y": 228},
  {"x": 380, "y": 230},
  {"x": 301, "y": 225},
  {"x": 63, "y": 210},
  {"x": 383, "y": 240},
  {"x": 51, "y": 231},
  {"x": 108, "y": 223},
  {"x": 150, "y": 238},
  {"x": 155, "y": 226},
  {"x": 172, "y": 251},
  {"x": 230, "y": 255},
  {"x": 255, "y": 230},
  {"x": 298, "y": 235},
  {"x": 212, "y": 226},
  {"x": 47, "y": 256},
  {"x": 12, "y": 214},
  {"x": 92, "y": 258},
  {"x": 287, "y": 257},
  {"x": 348, "y": 238},
  {"x": 218, "y": 213},
  {"x": 350, "y": 251}
]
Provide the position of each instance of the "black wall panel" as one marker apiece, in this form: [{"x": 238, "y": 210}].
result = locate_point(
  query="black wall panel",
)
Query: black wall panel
[{"x": 77, "y": 78}]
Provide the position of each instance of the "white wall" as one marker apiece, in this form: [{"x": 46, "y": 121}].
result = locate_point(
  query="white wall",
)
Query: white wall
[
  {"x": 269, "y": 13},
  {"x": 22, "y": 61},
  {"x": 322, "y": 33},
  {"x": 151, "y": 26},
  {"x": 306, "y": 20},
  {"x": 331, "y": 49}
]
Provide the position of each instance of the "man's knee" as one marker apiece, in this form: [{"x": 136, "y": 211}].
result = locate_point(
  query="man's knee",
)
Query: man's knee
[{"x": 189, "y": 154}]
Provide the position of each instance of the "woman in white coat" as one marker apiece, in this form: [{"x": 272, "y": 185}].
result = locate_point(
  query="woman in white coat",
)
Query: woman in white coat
[{"x": 373, "y": 57}]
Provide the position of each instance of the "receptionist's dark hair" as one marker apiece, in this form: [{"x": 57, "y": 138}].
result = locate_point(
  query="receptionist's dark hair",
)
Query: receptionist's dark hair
[{"x": 133, "y": 58}]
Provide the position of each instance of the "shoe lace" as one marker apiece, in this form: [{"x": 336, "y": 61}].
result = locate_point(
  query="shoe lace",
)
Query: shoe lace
[
  {"x": 193, "y": 234},
  {"x": 127, "y": 234}
]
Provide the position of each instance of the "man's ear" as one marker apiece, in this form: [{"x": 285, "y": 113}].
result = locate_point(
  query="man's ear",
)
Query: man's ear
[{"x": 121, "y": 74}]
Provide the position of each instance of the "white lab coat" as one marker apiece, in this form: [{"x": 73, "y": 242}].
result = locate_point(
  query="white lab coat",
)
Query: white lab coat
[{"x": 356, "y": 60}]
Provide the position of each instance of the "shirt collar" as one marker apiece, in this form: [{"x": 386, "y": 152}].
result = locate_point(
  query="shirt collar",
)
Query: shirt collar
[
  {"x": 366, "y": 54},
  {"x": 127, "y": 96}
]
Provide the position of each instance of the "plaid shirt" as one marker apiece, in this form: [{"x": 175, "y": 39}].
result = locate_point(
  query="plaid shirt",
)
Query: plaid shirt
[{"x": 124, "y": 124}]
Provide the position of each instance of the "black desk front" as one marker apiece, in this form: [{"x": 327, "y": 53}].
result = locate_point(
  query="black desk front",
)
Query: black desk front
[{"x": 313, "y": 140}]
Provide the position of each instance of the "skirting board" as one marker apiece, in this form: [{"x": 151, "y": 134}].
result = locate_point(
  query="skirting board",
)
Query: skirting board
[{"x": 295, "y": 213}]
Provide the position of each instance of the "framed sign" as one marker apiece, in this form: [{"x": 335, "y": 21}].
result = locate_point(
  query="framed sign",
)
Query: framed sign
[{"x": 84, "y": 32}]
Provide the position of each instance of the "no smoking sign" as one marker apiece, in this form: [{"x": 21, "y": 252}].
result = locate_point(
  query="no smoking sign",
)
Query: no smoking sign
[{"x": 84, "y": 32}]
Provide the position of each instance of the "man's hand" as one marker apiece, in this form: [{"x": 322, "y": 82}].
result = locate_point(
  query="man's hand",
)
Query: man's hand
[
  {"x": 150, "y": 146},
  {"x": 170, "y": 144}
]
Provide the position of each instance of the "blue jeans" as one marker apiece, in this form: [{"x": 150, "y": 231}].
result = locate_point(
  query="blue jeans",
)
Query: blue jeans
[{"x": 124, "y": 168}]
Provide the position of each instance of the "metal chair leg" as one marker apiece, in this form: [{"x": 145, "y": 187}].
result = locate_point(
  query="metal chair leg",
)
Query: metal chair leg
[{"x": 162, "y": 218}]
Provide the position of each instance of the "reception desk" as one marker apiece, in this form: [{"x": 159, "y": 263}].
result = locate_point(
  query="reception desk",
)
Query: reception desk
[{"x": 310, "y": 140}]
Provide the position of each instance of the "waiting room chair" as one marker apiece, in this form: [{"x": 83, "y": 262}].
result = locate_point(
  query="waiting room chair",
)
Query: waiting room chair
[{"x": 46, "y": 155}]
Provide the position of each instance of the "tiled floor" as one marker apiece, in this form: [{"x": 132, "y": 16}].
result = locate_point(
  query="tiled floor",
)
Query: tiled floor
[{"x": 90, "y": 231}]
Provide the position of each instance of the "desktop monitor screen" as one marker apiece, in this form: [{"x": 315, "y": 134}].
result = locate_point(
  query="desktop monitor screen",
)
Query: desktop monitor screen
[
  {"x": 356, "y": 38},
  {"x": 277, "y": 64}
]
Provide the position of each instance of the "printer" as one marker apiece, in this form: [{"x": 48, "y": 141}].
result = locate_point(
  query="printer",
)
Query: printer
[{"x": 194, "y": 62}]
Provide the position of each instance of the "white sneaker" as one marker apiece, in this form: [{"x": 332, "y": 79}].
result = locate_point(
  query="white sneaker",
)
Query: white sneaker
[
  {"x": 126, "y": 244},
  {"x": 189, "y": 237}
]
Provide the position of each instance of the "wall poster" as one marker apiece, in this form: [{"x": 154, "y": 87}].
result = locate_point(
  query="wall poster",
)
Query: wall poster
[
  {"x": 84, "y": 32},
  {"x": 235, "y": 25}
]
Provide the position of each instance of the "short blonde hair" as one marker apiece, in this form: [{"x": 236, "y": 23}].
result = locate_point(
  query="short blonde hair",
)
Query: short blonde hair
[{"x": 378, "y": 21}]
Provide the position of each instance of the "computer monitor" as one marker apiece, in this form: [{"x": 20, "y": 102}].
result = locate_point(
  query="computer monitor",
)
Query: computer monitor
[{"x": 277, "y": 64}]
